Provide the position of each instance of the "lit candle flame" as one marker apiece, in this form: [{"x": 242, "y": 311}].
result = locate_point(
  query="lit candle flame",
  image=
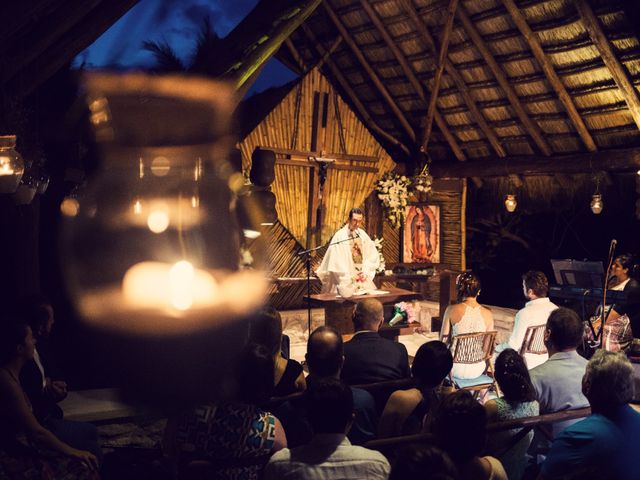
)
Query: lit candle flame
[{"x": 179, "y": 286}]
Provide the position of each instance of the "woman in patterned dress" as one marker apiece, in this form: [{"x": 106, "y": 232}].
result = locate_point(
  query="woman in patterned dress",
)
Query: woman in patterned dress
[
  {"x": 518, "y": 401},
  {"x": 231, "y": 440}
]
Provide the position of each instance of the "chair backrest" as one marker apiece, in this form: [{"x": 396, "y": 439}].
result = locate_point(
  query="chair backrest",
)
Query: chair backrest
[
  {"x": 534, "y": 340},
  {"x": 473, "y": 347}
]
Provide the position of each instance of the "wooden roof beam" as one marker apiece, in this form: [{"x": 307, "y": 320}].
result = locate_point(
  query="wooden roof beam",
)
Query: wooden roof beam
[
  {"x": 442, "y": 56},
  {"x": 418, "y": 87},
  {"x": 553, "y": 78},
  {"x": 24, "y": 47},
  {"x": 372, "y": 74},
  {"x": 243, "y": 71},
  {"x": 461, "y": 86},
  {"x": 370, "y": 122},
  {"x": 616, "y": 68},
  {"x": 65, "y": 48},
  {"x": 624, "y": 160},
  {"x": 295, "y": 54},
  {"x": 531, "y": 127},
  {"x": 301, "y": 64}
]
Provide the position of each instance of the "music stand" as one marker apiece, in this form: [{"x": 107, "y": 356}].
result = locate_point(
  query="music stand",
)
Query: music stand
[{"x": 583, "y": 274}]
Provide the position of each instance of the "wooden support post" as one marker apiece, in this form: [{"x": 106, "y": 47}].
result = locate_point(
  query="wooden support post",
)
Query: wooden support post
[
  {"x": 552, "y": 76},
  {"x": 475, "y": 112},
  {"x": 413, "y": 79},
  {"x": 616, "y": 68},
  {"x": 444, "y": 46}
]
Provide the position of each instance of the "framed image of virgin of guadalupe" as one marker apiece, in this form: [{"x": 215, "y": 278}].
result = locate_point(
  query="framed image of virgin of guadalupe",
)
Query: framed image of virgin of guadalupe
[{"x": 420, "y": 234}]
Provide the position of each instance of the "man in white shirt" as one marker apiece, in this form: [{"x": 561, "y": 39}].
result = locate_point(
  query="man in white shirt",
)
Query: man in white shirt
[
  {"x": 351, "y": 260},
  {"x": 329, "y": 455},
  {"x": 536, "y": 311}
]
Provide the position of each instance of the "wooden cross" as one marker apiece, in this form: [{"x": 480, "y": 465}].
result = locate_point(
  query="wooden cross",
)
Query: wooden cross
[{"x": 319, "y": 161}]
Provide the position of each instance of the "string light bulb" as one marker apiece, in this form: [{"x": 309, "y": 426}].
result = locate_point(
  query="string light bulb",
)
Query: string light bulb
[
  {"x": 510, "y": 203},
  {"x": 596, "y": 203},
  {"x": 596, "y": 199}
]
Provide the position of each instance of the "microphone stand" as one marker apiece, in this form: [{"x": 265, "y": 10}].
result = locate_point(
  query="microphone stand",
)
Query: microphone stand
[
  {"x": 604, "y": 314},
  {"x": 307, "y": 264}
]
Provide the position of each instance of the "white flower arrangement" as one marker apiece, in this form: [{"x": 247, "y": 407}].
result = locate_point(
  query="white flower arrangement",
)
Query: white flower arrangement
[
  {"x": 422, "y": 182},
  {"x": 246, "y": 258},
  {"x": 382, "y": 266},
  {"x": 393, "y": 190}
]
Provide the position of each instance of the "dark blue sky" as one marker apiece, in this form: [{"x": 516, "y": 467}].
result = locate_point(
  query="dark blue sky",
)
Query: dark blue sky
[{"x": 177, "y": 22}]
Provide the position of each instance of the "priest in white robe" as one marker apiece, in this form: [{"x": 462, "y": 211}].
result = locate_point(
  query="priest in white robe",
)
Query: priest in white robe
[{"x": 351, "y": 260}]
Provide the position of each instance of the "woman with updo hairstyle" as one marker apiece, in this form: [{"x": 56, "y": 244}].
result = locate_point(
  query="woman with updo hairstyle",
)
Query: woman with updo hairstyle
[
  {"x": 466, "y": 316},
  {"x": 518, "y": 401}
]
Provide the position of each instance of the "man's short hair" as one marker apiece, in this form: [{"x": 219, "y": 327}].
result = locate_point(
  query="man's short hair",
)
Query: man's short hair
[
  {"x": 432, "y": 363},
  {"x": 355, "y": 211},
  {"x": 329, "y": 405},
  {"x": 324, "y": 352},
  {"x": 565, "y": 329},
  {"x": 367, "y": 314},
  {"x": 610, "y": 378},
  {"x": 536, "y": 281}
]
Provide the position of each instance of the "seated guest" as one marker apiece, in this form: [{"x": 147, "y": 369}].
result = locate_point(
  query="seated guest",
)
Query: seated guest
[
  {"x": 605, "y": 444},
  {"x": 626, "y": 314},
  {"x": 423, "y": 462},
  {"x": 405, "y": 411},
  {"x": 369, "y": 358},
  {"x": 518, "y": 401},
  {"x": 460, "y": 429},
  {"x": 43, "y": 392},
  {"x": 266, "y": 329},
  {"x": 325, "y": 359},
  {"x": 558, "y": 381},
  {"x": 466, "y": 316},
  {"x": 329, "y": 454},
  {"x": 27, "y": 449},
  {"x": 535, "y": 287},
  {"x": 233, "y": 439}
]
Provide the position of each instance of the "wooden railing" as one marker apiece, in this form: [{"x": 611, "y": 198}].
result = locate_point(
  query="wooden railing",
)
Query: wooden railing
[{"x": 526, "y": 424}]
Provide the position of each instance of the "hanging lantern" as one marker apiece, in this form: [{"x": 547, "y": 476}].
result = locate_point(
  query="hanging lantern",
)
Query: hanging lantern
[
  {"x": 597, "y": 204},
  {"x": 11, "y": 165},
  {"x": 151, "y": 249},
  {"x": 27, "y": 189},
  {"x": 510, "y": 203}
]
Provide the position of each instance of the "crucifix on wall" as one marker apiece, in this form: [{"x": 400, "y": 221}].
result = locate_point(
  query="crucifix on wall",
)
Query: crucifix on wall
[{"x": 319, "y": 162}]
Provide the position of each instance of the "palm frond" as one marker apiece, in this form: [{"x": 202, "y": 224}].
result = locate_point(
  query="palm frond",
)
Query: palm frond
[
  {"x": 206, "y": 55},
  {"x": 166, "y": 58}
]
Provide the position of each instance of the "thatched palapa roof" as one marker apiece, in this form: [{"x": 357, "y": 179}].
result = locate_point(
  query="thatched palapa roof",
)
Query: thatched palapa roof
[{"x": 530, "y": 79}]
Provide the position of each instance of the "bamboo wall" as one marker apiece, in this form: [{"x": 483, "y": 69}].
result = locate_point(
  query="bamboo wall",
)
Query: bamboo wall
[{"x": 343, "y": 189}]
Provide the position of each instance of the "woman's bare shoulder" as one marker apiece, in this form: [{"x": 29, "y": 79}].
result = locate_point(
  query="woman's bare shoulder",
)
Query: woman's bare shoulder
[{"x": 486, "y": 312}]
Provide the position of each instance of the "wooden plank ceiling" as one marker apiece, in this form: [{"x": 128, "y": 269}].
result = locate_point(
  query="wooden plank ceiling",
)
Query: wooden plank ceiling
[
  {"x": 289, "y": 126},
  {"x": 525, "y": 78}
]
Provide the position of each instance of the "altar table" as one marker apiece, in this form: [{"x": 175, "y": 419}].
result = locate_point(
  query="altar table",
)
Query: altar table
[{"x": 338, "y": 311}]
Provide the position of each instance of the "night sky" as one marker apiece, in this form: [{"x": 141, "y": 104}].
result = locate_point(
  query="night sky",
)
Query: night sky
[{"x": 177, "y": 23}]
